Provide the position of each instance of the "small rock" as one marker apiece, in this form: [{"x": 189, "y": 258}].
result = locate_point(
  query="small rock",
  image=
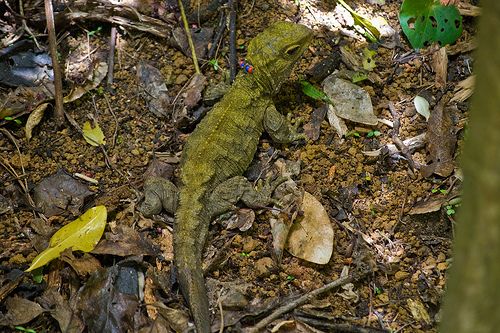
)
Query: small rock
[
  {"x": 442, "y": 266},
  {"x": 263, "y": 265},
  {"x": 179, "y": 62},
  {"x": 400, "y": 275},
  {"x": 240, "y": 41},
  {"x": 249, "y": 244},
  {"x": 234, "y": 300},
  {"x": 181, "y": 79}
]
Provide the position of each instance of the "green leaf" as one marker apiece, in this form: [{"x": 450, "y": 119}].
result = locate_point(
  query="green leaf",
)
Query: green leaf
[
  {"x": 358, "y": 77},
  {"x": 368, "y": 61},
  {"x": 82, "y": 234},
  {"x": 369, "y": 30},
  {"x": 372, "y": 134},
  {"x": 93, "y": 136},
  {"x": 427, "y": 21},
  {"x": 353, "y": 133},
  {"x": 313, "y": 92}
]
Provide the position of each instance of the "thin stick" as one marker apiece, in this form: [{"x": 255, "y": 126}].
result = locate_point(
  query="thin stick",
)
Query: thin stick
[
  {"x": 218, "y": 35},
  {"x": 307, "y": 298},
  {"x": 51, "y": 30},
  {"x": 188, "y": 35},
  {"x": 233, "y": 4},
  {"x": 111, "y": 55},
  {"x": 397, "y": 141}
]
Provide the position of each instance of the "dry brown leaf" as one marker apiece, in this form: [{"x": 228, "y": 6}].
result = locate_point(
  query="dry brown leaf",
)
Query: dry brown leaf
[
  {"x": 312, "y": 238},
  {"x": 440, "y": 67},
  {"x": 34, "y": 119},
  {"x": 464, "y": 89},
  {"x": 441, "y": 140}
]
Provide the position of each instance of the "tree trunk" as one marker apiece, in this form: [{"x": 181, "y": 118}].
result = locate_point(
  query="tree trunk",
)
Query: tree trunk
[{"x": 472, "y": 300}]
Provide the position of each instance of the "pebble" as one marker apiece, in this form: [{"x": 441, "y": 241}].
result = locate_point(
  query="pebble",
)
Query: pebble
[
  {"x": 249, "y": 244},
  {"x": 234, "y": 300},
  {"x": 401, "y": 275},
  {"x": 181, "y": 79},
  {"x": 263, "y": 265}
]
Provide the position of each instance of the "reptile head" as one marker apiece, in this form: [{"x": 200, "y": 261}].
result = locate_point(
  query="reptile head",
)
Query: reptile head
[{"x": 274, "y": 51}]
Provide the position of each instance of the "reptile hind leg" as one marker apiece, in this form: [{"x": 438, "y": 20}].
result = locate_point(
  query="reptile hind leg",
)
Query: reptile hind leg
[
  {"x": 159, "y": 193},
  {"x": 227, "y": 194}
]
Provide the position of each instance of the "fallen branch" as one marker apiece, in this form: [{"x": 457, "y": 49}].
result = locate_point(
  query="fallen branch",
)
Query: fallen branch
[
  {"x": 233, "y": 4},
  {"x": 51, "y": 31},
  {"x": 307, "y": 298}
]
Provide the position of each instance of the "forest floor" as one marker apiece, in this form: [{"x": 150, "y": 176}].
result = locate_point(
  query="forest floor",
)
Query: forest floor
[{"x": 391, "y": 217}]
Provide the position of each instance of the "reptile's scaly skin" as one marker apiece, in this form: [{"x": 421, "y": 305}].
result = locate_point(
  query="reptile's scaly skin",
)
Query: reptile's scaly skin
[{"x": 221, "y": 148}]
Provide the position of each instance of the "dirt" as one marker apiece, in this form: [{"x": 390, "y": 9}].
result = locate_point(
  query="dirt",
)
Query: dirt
[{"x": 367, "y": 198}]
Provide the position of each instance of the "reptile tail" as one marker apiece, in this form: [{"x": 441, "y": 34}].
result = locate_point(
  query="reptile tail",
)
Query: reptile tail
[{"x": 191, "y": 229}]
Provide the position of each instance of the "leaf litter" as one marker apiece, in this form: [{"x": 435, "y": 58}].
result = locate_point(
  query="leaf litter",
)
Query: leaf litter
[{"x": 408, "y": 251}]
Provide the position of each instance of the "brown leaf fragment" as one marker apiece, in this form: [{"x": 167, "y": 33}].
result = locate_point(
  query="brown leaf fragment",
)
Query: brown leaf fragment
[
  {"x": 154, "y": 89},
  {"x": 428, "y": 206},
  {"x": 313, "y": 128},
  {"x": 440, "y": 67},
  {"x": 61, "y": 311},
  {"x": 20, "y": 311},
  {"x": 60, "y": 193},
  {"x": 243, "y": 219},
  {"x": 441, "y": 140},
  {"x": 175, "y": 319},
  {"x": 83, "y": 266},
  {"x": 159, "y": 168},
  {"x": 125, "y": 242},
  {"x": 193, "y": 91},
  {"x": 201, "y": 37},
  {"x": 109, "y": 301}
]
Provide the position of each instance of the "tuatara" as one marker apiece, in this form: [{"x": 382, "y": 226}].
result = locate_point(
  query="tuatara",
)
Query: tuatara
[{"x": 218, "y": 152}]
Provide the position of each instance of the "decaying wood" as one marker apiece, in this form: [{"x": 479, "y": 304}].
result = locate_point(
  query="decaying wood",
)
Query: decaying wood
[{"x": 128, "y": 14}]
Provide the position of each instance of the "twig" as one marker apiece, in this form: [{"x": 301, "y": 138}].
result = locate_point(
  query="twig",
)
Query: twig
[
  {"x": 24, "y": 185},
  {"x": 25, "y": 25},
  {"x": 307, "y": 298},
  {"x": 115, "y": 132},
  {"x": 397, "y": 141},
  {"x": 188, "y": 36},
  {"x": 218, "y": 35},
  {"x": 219, "y": 303},
  {"x": 233, "y": 4},
  {"x": 111, "y": 55},
  {"x": 58, "y": 95}
]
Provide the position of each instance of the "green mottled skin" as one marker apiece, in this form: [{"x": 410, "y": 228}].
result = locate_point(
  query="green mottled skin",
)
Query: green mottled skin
[{"x": 221, "y": 148}]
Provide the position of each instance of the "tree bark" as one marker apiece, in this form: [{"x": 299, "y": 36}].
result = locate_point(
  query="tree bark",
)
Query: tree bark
[{"x": 472, "y": 300}]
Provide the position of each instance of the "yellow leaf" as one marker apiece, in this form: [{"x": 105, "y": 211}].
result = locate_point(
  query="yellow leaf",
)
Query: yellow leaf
[
  {"x": 368, "y": 61},
  {"x": 81, "y": 234},
  {"x": 93, "y": 136}
]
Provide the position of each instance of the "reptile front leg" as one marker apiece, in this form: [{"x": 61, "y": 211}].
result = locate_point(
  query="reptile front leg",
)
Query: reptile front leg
[{"x": 279, "y": 127}]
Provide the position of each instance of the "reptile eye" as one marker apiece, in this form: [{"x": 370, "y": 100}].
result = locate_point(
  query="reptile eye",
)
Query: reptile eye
[{"x": 292, "y": 50}]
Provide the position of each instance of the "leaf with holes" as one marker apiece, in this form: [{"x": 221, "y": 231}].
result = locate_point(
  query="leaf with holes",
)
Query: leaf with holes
[{"x": 427, "y": 21}]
